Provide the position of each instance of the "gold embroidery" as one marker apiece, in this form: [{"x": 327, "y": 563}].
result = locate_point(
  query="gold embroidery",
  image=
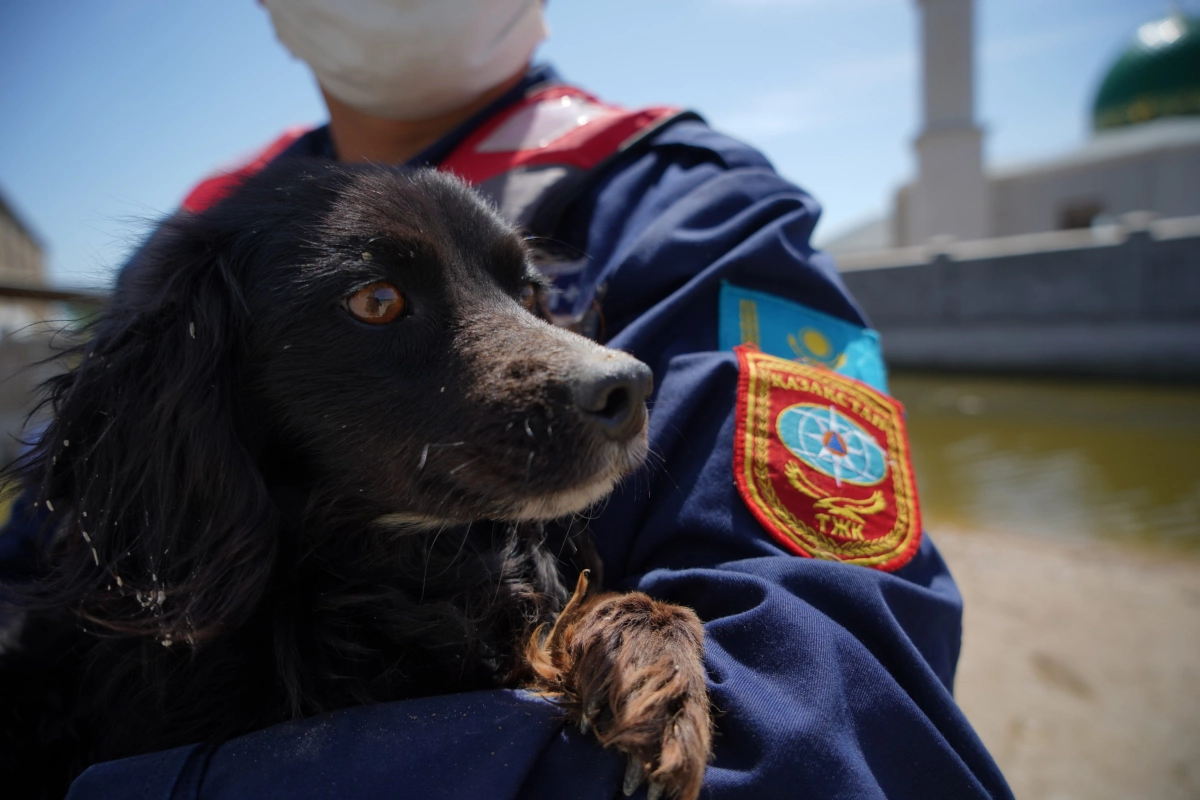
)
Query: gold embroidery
[
  {"x": 853, "y": 509},
  {"x": 842, "y": 506},
  {"x": 812, "y": 347},
  {"x": 748, "y": 318}
]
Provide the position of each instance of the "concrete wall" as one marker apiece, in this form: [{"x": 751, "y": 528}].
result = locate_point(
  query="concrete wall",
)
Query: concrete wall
[{"x": 1122, "y": 302}]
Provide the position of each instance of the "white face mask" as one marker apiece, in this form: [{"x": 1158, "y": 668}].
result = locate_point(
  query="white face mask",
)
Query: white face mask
[{"x": 409, "y": 59}]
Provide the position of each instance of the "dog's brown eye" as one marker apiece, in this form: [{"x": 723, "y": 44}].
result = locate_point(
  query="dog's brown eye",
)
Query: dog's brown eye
[
  {"x": 378, "y": 303},
  {"x": 529, "y": 296}
]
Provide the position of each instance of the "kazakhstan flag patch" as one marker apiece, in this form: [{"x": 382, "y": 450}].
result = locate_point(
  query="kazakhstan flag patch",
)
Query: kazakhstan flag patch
[{"x": 789, "y": 330}]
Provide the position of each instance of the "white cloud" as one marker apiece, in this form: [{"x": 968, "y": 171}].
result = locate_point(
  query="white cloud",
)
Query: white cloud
[
  {"x": 775, "y": 112},
  {"x": 998, "y": 51},
  {"x": 840, "y": 5},
  {"x": 771, "y": 3},
  {"x": 834, "y": 96},
  {"x": 840, "y": 93}
]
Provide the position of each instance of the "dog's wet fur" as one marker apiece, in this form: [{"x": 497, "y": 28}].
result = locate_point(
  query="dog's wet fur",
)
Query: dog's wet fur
[{"x": 266, "y": 508}]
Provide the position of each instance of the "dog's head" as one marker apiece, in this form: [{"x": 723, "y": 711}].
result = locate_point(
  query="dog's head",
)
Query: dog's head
[
  {"x": 365, "y": 334},
  {"x": 393, "y": 344}
]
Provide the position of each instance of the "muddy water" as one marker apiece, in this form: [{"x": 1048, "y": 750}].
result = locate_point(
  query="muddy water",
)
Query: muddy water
[{"x": 1056, "y": 458}]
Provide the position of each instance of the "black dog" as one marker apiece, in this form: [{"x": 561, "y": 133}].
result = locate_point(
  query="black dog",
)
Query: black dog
[{"x": 307, "y": 458}]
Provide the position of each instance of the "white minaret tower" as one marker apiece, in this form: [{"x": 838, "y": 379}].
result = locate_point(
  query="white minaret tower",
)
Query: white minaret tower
[{"x": 951, "y": 195}]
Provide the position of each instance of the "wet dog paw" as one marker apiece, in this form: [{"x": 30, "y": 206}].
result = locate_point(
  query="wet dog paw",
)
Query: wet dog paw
[{"x": 629, "y": 669}]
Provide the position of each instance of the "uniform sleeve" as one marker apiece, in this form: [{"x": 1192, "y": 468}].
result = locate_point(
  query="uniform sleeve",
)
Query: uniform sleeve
[
  {"x": 495, "y": 744},
  {"x": 830, "y": 680}
]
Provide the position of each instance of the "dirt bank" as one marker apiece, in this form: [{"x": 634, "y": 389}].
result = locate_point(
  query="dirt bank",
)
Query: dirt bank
[{"x": 1081, "y": 666}]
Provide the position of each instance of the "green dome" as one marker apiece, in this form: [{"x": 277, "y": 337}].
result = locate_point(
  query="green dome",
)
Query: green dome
[{"x": 1158, "y": 76}]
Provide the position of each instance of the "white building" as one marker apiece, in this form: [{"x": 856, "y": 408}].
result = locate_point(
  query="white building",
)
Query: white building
[{"x": 1144, "y": 153}]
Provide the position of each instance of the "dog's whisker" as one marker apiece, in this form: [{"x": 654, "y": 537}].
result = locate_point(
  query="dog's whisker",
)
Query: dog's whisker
[
  {"x": 499, "y": 583},
  {"x": 425, "y": 451},
  {"x": 428, "y": 558},
  {"x": 528, "y": 465},
  {"x": 462, "y": 544},
  {"x": 528, "y": 430},
  {"x": 463, "y": 465},
  {"x": 449, "y": 493}
]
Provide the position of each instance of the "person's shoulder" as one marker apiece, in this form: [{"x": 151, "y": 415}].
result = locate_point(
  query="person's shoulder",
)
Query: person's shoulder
[
  {"x": 696, "y": 134},
  {"x": 688, "y": 159}
]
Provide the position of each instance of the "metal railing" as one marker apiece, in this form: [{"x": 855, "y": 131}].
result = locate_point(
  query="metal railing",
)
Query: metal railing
[{"x": 39, "y": 291}]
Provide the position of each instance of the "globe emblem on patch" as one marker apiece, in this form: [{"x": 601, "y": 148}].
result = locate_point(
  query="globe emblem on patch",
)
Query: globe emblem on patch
[{"x": 832, "y": 444}]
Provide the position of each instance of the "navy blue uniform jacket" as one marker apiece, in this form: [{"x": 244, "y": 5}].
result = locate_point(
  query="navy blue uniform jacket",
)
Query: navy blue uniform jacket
[{"x": 828, "y": 680}]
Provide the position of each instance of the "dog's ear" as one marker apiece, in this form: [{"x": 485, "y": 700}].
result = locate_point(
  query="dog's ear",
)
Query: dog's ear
[{"x": 165, "y": 526}]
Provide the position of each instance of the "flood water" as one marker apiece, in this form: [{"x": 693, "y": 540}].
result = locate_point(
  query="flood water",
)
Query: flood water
[{"x": 1056, "y": 458}]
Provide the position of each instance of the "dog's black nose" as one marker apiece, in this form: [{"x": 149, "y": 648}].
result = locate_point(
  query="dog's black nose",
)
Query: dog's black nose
[{"x": 612, "y": 396}]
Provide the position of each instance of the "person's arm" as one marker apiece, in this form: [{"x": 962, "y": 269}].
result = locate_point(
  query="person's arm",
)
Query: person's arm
[
  {"x": 828, "y": 679},
  {"x": 495, "y": 745}
]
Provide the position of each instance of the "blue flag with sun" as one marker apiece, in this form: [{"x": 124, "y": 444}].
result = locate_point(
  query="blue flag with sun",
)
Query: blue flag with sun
[{"x": 789, "y": 330}]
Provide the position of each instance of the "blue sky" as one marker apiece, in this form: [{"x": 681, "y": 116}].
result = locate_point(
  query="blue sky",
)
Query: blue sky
[{"x": 113, "y": 109}]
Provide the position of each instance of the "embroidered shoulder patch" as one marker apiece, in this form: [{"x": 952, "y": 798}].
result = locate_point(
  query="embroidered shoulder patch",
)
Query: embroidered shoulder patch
[{"x": 822, "y": 461}]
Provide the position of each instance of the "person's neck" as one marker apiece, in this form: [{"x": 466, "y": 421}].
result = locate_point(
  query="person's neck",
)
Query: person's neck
[{"x": 358, "y": 136}]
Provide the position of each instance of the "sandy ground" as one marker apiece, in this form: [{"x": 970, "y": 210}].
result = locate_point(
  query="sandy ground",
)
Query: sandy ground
[{"x": 1081, "y": 666}]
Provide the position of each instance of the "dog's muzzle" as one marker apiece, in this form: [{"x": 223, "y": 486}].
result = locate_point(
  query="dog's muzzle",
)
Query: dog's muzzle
[{"x": 611, "y": 396}]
